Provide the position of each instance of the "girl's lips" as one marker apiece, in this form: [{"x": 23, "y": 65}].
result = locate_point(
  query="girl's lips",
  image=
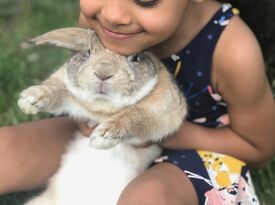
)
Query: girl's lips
[{"x": 116, "y": 35}]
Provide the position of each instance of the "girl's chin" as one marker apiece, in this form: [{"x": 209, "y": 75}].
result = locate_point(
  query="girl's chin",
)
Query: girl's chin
[{"x": 122, "y": 48}]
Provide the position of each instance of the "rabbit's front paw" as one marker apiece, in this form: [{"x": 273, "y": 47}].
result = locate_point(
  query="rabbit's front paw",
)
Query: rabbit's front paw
[
  {"x": 107, "y": 135},
  {"x": 33, "y": 100}
]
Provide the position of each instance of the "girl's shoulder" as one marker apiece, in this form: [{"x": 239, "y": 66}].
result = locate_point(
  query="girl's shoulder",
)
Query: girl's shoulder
[{"x": 237, "y": 52}]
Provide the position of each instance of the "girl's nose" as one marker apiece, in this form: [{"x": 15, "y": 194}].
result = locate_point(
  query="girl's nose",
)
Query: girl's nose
[{"x": 116, "y": 12}]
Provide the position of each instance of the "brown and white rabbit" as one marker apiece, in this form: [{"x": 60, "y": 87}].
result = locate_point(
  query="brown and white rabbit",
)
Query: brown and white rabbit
[{"x": 132, "y": 100}]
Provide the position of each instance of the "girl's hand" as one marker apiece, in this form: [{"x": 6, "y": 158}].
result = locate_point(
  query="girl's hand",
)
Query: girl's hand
[
  {"x": 86, "y": 131},
  {"x": 84, "y": 128}
]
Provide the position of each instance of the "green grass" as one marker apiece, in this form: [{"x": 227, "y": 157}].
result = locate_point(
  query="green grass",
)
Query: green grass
[{"x": 19, "y": 68}]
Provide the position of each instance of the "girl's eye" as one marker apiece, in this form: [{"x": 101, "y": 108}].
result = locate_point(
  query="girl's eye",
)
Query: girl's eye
[
  {"x": 147, "y": 3},
  {"x": 134, "y": 58}
]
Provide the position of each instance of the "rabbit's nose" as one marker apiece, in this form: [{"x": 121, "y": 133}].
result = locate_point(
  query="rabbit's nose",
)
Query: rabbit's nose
[{"x": 103, "y": 76}]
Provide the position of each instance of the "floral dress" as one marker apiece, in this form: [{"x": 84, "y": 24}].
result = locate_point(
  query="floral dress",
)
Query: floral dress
[{"x": 217, "y": 178}]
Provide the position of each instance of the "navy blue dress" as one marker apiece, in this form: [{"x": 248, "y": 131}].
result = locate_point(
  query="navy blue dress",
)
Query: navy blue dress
[{"x": 217, "y": 178}]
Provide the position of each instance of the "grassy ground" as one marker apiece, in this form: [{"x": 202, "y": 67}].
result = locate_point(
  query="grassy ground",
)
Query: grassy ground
[{"x": 19, "y": 68}]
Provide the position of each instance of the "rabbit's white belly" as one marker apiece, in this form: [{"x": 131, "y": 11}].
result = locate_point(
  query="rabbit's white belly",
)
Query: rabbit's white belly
[{"x": 91, "y": 177}]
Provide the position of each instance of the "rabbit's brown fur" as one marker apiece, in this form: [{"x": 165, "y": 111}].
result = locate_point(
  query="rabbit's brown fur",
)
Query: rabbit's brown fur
[{"x": 132, "y": 99}]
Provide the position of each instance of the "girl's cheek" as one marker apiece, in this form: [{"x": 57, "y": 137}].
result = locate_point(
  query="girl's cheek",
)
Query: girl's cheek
[
  {"x": 87, "y": 7},
  {"x": 83, "y": 21},
  {"x": 156, "y": 22}
]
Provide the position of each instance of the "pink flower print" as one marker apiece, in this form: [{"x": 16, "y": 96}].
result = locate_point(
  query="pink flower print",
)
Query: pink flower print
[
  {"x": 223, "y": 120},
  {"x": 161, "y": 159},
  {"x": 234, "y": 194},
  {"x": 246, "y": 193},
  {"x": 200, "y": 120},
  {"x": 216, "y": 197},
  {"x": 215, "y": 96}
]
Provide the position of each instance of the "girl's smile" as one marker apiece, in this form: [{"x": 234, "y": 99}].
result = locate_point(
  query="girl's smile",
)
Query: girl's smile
[
  {"x": 109, "y": 33},
  {"x": 131, "y": 26},
  {"x": 117, "y": 35}
]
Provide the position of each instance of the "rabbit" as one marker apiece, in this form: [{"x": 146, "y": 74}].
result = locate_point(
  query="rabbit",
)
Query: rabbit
[{"x": 130, "y": 100}]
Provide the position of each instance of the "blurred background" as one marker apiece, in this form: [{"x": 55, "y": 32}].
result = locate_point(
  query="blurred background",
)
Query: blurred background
[{"x": 20, "y": 67}]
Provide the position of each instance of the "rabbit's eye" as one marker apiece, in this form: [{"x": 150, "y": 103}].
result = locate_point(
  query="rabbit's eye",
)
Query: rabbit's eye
[
  {"x": 89, "y": 52},
  {"x": 134, "y": 58}
]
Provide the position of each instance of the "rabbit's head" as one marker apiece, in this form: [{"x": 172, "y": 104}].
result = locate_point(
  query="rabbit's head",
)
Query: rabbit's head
[{"x": 96, "y": 73}]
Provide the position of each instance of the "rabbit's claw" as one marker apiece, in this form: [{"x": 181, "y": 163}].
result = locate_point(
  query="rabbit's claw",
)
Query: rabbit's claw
[
  {"x": 107, "y": 135},
  {"x": 33, "y": 100}
]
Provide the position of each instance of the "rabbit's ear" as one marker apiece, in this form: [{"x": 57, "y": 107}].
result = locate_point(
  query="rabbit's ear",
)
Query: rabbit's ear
[{"x": 73, "y": 38}]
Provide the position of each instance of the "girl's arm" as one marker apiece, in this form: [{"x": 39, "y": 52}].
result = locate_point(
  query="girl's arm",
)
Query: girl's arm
[
  {"x": 239, "y": 76},
  {"x": 31, "y": 152}
]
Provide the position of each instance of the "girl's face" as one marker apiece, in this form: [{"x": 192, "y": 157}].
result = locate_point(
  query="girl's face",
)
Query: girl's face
[{"x": 130, "y": 26}]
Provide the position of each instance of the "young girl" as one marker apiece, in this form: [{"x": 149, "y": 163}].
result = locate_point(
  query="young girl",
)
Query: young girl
[{"x": 217, "y": 62}]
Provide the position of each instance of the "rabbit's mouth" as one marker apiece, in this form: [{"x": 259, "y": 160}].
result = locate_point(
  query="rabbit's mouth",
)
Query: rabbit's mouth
[{"x": 103, "y": 88}]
